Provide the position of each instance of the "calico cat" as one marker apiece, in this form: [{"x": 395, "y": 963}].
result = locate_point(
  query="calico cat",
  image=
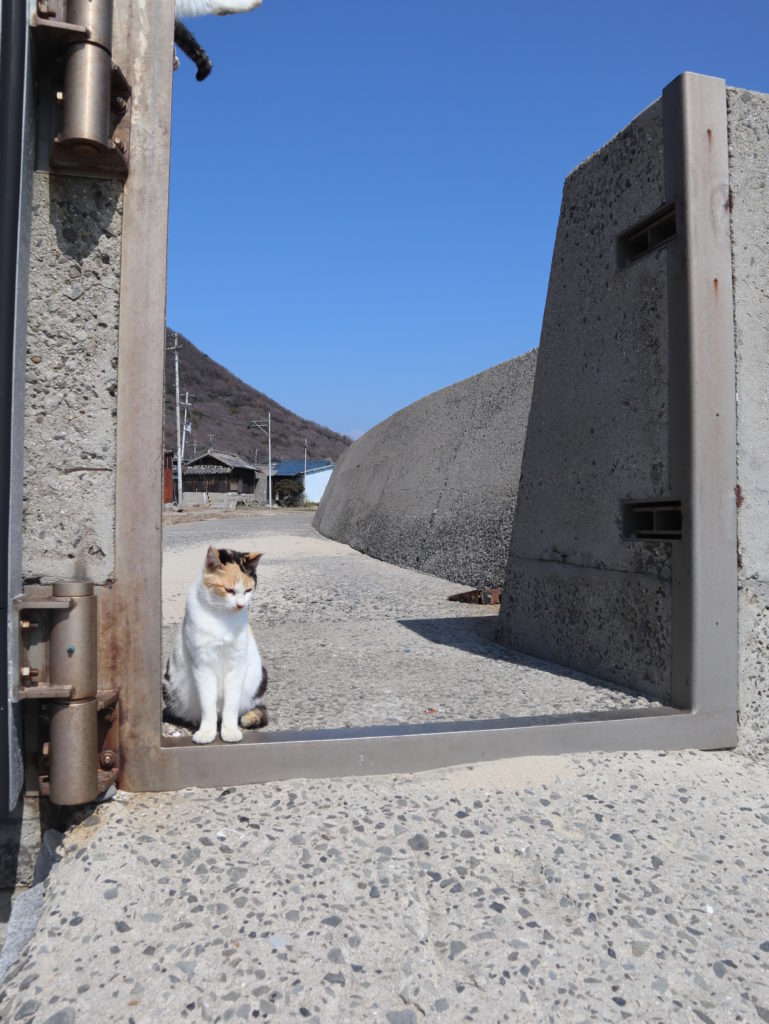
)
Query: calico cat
[
  {"x": 215, "y": 670},
  {"x": 187, "y": 42}
]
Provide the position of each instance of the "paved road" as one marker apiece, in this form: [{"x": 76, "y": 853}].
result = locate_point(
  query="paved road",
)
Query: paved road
[{"x": 594, "y": 887}]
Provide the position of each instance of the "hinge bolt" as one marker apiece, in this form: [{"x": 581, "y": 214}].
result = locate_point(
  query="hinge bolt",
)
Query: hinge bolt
[
  {"x": 29, "y": 673},
  {"x": 27, "y": 624},
  {"x": 107, "y": 759}
]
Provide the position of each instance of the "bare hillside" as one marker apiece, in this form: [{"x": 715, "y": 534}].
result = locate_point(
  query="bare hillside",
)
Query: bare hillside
[{"x": 223, "y": 406}]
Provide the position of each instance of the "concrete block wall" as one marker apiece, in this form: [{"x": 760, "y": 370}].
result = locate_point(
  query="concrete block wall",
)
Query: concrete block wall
[
  {"x": 576, "y": 592},
  {"x": 71, "y": 379},
  {"x": 748, "y": 122},
  {"x": 434, "y": 486}
]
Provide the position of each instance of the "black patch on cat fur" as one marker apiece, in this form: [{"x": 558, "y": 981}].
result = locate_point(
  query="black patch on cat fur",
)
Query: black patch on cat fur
[
  {"x": 189, "y": 46},
  {"x": 263, "y": 685},
  {"x": 240, "y": 558}
]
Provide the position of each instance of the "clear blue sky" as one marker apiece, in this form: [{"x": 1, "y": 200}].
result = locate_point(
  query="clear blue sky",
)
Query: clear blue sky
[{"x": 364, "y": 195}]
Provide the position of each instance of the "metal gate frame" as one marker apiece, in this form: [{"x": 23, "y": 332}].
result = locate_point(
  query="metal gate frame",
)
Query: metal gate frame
[
  {"x": 16, "y": 161},
  {"x": 703, "y": 472}
]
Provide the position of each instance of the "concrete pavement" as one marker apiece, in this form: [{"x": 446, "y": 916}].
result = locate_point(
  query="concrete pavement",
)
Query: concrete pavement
[{"x": 592, "y": 887}]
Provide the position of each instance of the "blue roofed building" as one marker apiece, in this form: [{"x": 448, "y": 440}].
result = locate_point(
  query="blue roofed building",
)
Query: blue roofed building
[{"x": 314, "y": 480}]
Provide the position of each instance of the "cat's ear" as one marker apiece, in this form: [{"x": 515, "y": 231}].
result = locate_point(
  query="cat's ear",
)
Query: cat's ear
[
  {"x": 252, "y": 560},
  {"x": 212, "y": 560}
]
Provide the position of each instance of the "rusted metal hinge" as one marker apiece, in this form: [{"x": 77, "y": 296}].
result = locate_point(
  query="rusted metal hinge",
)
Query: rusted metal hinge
[{"x": 71, "y": 725}]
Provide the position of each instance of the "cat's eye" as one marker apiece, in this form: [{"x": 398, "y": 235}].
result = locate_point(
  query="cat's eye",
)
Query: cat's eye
[{"x": 229, "y": 590}]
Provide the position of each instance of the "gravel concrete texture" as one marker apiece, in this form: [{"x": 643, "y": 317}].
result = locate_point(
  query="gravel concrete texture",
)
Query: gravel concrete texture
[
  {"x": 434, "y": 486},
  {"x": 71, "y": 379},
  {"x": 748, "y": 121},
  {"x": 352, "y": 641},
  {"x": 592, "y": 887},
  {"x": 598, "y": 433},
  {"x": 602, "y": 887}
]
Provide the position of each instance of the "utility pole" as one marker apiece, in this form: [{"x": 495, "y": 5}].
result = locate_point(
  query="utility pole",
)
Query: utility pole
[
  {"x": 268, "y": 432},
  {"x": 180, "y": 493},
  {"x": 184, "y": 425}
]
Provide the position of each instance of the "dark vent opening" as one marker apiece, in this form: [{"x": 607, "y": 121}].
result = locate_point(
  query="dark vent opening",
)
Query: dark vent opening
[
  {"x": 652, "y": 520},
  {"x": 650, "y": 234}
]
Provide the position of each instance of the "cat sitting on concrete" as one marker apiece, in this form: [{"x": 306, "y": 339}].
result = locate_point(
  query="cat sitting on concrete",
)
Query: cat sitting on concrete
[{"x": 215, "y": 671}]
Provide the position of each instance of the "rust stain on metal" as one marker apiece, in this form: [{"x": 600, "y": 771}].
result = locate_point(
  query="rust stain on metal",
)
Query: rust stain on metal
[
  {"x": 715, "y": 284},
  {"x": 738, "y": 495},
  {"x": 485, "y": 595}
]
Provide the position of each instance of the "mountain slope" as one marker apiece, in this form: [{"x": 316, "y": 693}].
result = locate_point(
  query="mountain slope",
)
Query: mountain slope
[{"x": 224, "y": 406}]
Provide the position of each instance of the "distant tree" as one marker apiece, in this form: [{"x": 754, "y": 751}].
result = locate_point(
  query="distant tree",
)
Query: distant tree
[{"x": 287, "y": 490}]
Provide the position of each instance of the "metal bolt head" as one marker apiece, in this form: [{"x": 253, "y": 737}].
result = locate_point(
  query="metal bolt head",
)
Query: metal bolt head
[{"x": 70, "y": 649}]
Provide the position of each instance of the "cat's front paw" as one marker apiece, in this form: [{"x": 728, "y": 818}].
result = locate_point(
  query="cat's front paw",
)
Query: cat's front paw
[
  {"x": 204, "y": 735},
  {"x": 231, "y": 734}
]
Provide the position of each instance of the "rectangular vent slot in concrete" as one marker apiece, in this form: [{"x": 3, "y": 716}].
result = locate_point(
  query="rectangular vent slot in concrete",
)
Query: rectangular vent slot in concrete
[
  {"x": 651, "y": 520},
  {"x": 650, "y": 234}
]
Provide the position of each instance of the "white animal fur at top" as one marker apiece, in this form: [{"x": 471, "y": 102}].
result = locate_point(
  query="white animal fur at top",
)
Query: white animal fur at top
[
  {"x": 195, "y": 8},
  {"x": 215, "y": 670}
]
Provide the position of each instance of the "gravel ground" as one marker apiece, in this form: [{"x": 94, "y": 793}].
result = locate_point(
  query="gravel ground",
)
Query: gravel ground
[
  {"x": 602, "y": 887},
  {"x": 583, "y": 888},
  {"x": 350, "y": 641}
]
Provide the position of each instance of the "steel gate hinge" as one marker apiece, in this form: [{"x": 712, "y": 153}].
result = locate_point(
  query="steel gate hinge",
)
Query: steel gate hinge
[
  {"x": 84, "y": 99},
  {"x": 71, "y": 725}
]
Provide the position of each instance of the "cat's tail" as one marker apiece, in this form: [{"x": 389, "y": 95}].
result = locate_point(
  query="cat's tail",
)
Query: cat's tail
[
  {"x": 191, "y": 48},
  {"x": 263, "y": 685}
]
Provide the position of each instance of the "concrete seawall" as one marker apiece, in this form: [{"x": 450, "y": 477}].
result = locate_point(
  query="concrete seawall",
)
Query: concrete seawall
[
  {"x": 434, "y": 486},
  {"x": 614, "y": 421}
]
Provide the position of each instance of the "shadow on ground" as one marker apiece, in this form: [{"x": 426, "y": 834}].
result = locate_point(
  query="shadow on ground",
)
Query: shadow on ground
[{"x": 477, "y": 635}]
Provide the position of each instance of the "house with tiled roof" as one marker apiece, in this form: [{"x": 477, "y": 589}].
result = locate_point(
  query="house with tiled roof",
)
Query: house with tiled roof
[{"x": 219, "y": 473}]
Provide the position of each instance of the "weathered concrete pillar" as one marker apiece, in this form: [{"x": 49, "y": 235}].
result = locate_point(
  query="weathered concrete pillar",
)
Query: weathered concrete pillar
[{"x": 72, "y": 369}]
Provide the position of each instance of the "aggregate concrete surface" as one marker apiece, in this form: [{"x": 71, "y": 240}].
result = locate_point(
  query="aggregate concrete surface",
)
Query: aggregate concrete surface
[
  {"x": 352, "y": 641},
  {"x": 590, "y": 887}
]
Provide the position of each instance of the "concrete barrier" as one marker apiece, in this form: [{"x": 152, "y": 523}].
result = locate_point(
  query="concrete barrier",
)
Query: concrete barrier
[
  {"x": 749, "y": 199},
  {"x": 576, "y": 592},
  {"x": 434, "y": 486},
  {"x": 616, "y": 416}
]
